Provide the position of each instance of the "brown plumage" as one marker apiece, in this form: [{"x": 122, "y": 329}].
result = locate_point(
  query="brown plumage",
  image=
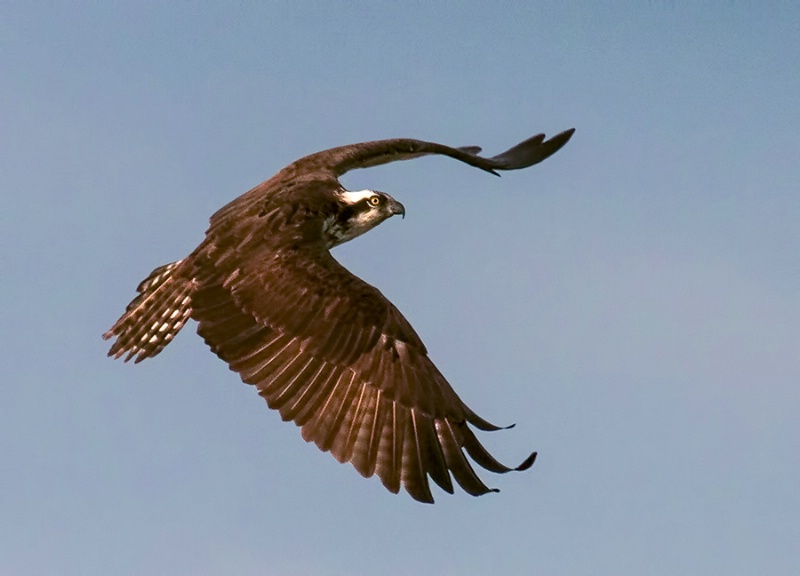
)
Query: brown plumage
[{"x": 323, "y": 347}]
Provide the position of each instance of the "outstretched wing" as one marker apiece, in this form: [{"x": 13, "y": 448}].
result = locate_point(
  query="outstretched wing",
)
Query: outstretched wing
[
  {"x": 332, "y": 354},
  {"x": 332, "y": 163},
  {"x": 344, "y": 158}
]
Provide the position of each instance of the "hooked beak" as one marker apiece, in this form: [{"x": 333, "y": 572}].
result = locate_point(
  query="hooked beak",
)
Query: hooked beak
[{"x": 396, "y": 208}]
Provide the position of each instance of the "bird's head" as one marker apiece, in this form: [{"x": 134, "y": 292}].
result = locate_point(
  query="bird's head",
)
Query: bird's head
[{"x": 360, "y": 211}]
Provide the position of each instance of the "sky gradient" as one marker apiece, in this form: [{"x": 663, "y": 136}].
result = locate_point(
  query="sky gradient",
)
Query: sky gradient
[{"x": 632, "y": 303}]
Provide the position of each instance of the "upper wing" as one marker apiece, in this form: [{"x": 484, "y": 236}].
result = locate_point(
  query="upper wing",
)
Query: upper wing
[
  {"x": 344, "y": 158},
  {"x": 331, "y": 353},
  {"x": 328, "y": 165}
]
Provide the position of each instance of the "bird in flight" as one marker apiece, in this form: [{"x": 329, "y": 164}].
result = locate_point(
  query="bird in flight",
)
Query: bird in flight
[{"x": 324, "y": 348}]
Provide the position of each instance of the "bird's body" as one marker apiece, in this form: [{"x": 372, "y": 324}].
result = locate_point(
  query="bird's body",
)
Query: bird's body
[{"x": 323, "y": 347}]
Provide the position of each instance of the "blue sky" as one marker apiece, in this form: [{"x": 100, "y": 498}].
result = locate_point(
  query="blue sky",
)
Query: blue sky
[{"x": 633, "y": 303}]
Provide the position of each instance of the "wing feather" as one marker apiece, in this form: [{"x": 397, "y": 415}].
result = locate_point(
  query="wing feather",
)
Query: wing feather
[
  {"x": 457, "y": 463},
  {"x": 434, "y": 460},
  {"x": 260, "y": 366},
  {"x": 373, "y": 448},
  {"x": 345, "y": 442},
  {"x": 303, "y": 405},
  {"x": 388, "y": 466},
  {"x": 318, "y": 425},
  {"x": 414, "y": 473},
  {"x": 307, "y": 410},
  {"x": 334, "y": 424},
  {"x": 364, "y": 430},
  {"x": 290, "y": 381}
]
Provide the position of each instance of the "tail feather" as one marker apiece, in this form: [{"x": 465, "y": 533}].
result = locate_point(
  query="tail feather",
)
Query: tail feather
[{"x": 154, "y": 317}]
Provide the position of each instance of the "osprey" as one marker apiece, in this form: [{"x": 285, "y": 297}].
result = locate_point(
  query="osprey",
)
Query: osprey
[{"x": 323, "y": 347}]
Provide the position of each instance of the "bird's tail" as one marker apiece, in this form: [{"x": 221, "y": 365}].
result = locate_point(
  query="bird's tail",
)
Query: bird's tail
[{"x": 153, "y": 318}]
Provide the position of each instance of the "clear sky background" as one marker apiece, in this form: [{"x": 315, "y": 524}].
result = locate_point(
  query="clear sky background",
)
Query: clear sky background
[{"x": 633, "y": 303}]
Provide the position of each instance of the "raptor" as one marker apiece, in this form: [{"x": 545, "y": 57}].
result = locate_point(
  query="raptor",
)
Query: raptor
[{"x": 324, "y": 348}]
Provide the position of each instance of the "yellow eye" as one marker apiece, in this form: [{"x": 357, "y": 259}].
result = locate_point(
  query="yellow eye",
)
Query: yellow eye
[{"x": 374, "y": 200}]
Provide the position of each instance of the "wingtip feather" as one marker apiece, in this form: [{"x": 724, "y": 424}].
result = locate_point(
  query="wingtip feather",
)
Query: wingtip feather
[{"x": 527, "y": 463}]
